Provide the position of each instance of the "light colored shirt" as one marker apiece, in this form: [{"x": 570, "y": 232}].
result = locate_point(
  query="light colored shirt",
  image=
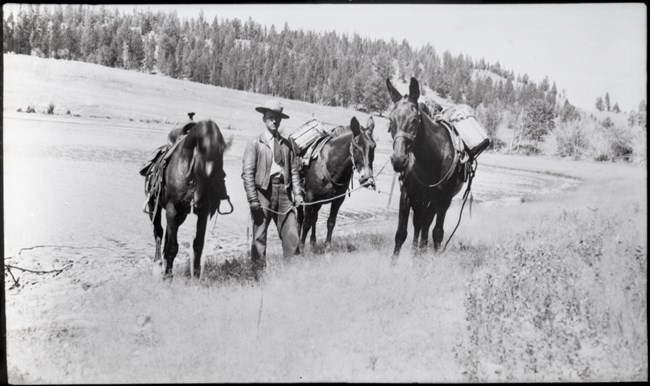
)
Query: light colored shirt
[{"x": 276, "y": 169}]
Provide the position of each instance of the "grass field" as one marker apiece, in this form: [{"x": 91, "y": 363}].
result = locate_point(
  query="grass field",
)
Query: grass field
[{"x": 550, "y": 287}]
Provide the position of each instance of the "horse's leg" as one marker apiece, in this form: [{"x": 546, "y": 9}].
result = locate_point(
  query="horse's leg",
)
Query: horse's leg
[
  {"x": 427, "y": 219},
  {"x": 300, "y": 218},
  {"x": 438, "y": 231},
  {"x": 306, "y": 225},
  {"x": 157, "y": 233},
  {"x": 417, "y": 222},
  {"x": 331, "y": 220},
  {"x": 196, "y": 265},
  {"x": 312, "y": 217},
  {"x": 174, "y": 220},
  {"x": 402, "y": 232}
]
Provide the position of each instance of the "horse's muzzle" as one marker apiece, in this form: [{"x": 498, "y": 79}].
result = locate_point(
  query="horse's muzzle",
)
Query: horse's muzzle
[
  {"x": 366, "y": 178},
  {"x": 368, "y": 182},
  {"x": 399, "y": 163}
]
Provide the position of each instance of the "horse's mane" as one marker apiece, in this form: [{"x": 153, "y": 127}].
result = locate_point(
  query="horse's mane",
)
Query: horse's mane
[
  {"x": 195, "y": 132},
  {"x": 339, "y": 130}
]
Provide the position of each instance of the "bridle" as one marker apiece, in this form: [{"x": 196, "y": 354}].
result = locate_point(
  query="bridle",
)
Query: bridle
[
  {"x": 411, "y": 137},
  {"x": 353, "y": 145}
]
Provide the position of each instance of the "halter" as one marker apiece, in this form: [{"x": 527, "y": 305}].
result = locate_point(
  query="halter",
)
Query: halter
[
  {"x": 354, "y": 166},
  {"x": 411, "y": 137}
]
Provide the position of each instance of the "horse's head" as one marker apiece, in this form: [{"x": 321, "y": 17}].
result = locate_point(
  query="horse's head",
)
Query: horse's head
[
  {"x": 362, "y": 150},
  {"x": 405, "y": 121},
  {"x": 209, "y": 147}
]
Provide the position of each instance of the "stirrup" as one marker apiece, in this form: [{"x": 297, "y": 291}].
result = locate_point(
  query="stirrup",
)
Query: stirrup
[{"x": 232, "y": 208}]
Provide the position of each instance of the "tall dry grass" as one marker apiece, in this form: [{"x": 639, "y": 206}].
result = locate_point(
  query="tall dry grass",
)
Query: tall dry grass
[{"x": 562, "y": 295}]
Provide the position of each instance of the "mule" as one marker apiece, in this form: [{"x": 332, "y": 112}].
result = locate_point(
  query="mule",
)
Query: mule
[
  {"x": 431, "y": 175},
  {"x": 328, "y": 176},
  {"x": 192, "y": 182}
]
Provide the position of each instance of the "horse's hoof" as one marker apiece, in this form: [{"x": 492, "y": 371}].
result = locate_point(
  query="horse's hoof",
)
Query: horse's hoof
[
  {"x": 167, "y": 276},
  {"x": 156, "y": 269}
]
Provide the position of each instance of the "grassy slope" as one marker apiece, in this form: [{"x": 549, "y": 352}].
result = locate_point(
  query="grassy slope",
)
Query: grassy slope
[{"x": 516, "y": 297}]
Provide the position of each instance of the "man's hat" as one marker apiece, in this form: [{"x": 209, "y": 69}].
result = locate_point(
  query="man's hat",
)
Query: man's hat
[{"x": 274, "y": 106}]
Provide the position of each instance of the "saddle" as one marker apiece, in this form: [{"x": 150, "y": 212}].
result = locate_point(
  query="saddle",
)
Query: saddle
[
  {"x": 462, "y": 152},
  {"x": 463, "y": 120},
  {"x": 154, "y": 171},
  {"x": 308, "y": 139},
  {"x": 313, "y": 151}
]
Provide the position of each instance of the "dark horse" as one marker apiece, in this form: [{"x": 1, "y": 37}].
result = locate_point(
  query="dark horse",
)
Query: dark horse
[
  {"x": 328, "y": 176},
  {"x": 190, "y": 183},
  {"x": 424, "y": 154}
]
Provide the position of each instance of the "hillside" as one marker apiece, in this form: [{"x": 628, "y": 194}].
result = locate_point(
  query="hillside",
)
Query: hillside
[{"x": 138, "y": 97}]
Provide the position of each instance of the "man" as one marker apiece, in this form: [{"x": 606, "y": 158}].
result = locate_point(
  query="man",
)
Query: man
[{"x": 272, "y": 184}]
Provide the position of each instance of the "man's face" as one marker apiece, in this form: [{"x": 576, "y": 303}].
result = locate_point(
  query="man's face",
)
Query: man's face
[{"x": 272, "y": 121}]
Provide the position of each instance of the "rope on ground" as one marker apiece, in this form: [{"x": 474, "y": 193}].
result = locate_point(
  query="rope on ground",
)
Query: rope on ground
[{"x": 9, "y": 267}]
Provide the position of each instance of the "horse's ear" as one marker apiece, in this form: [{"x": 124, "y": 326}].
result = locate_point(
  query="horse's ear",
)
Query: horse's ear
[
  {"x": 394, "y": 94},
  {"x": 354, "y": 125},
  {"x": 414, "y": 91},
  {"x": 370, "y": 125}
]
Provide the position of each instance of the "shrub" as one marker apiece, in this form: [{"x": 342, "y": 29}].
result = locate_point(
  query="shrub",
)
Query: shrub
[
  {"x": 529, "y": 149},
  {"x": 50, "y": 108},
  {"x": 571, "y": 140},
  {"x": 541, "y": 311},
  {"x": 30, "y": 109},
  {"x": 67, "y": 112},
  {"x": 621, "y": 143},
  {"x": 19, "y": 110}
]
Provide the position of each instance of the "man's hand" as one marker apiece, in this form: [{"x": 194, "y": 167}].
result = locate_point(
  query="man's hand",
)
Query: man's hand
[
  {"x": 298, "y": 201},
  {"x": 256, "y": 209}
]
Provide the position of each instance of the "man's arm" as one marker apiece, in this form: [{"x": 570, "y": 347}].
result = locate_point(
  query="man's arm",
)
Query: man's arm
[
  {"x": 296, "y": 184},
  {"x": 248, "y": 172}
]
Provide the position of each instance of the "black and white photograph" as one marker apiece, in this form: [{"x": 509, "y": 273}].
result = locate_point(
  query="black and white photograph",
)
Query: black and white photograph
[{"x": 324, "y": 192}]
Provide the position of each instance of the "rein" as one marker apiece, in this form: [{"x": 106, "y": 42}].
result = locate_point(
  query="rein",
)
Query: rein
[
  {"x": 333, "y": 198},
  {"x": 465, "y": 195}
]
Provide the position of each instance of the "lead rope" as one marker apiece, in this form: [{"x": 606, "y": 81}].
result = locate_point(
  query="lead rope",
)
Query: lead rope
[{"x": 467, "y": 193}]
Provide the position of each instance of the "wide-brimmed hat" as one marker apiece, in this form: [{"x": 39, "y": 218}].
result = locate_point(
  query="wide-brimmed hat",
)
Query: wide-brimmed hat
[{"x": 272, "y": 105}]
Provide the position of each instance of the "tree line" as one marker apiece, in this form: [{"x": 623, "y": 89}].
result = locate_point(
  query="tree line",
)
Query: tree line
[
  {"x": 329, "y": 68},
  {"x": 325, "y": 68}
]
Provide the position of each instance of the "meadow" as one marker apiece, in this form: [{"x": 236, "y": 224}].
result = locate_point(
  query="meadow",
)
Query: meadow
[{"x": 544, "y": 281}]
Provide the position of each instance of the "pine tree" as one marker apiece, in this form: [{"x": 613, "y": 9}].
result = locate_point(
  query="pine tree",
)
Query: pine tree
[
  {"x": 539, "y": 120},
  {"x": 8, "y": 33},
  {"x": 149, "y": 59},
  {"x": 616, "y": 109},
  {"x": 600, "y": 105},
  {"x": 607, "y": 105}
]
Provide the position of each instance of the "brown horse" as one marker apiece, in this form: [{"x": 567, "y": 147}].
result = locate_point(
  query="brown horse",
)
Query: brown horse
[
  {"x": 190, "y": 183},
  {"x": 328, "y": 177},
  {"x": 424, "y": 154}
]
